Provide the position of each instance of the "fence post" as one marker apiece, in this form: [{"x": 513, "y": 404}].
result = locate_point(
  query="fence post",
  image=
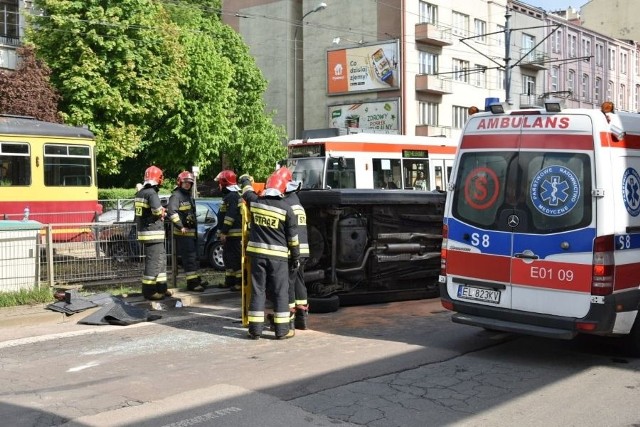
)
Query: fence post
[{"x": 49, "y": 248}]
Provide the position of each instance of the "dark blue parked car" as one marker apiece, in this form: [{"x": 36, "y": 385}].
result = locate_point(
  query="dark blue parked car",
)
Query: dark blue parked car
[{"x": 118, "y": 240}]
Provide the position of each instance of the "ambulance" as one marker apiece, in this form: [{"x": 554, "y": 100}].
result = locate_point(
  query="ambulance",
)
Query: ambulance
[{"x": 541, "y": 230}]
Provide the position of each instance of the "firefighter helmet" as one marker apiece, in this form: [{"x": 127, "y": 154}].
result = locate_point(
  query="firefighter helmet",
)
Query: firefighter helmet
[
  {"x": 153, "y": 176},
  {"x": 275, "y": 185},
  {"x": 285, "y": 172},
  {"x": 185, "y": 176},
  {"x": 226, "y": 178}
]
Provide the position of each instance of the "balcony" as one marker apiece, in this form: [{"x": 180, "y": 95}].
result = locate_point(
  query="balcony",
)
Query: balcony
[
  {"x": 430, "y": 130},
  {"x": 534, "y": 60},
  {"x": 432, "y": 34},
  {"x": 434, "y": 85},
  {"x": 530, "y": 101}
]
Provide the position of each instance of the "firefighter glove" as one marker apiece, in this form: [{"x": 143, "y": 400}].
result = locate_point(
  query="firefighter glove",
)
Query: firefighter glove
[{"x": 294, "y": 265}]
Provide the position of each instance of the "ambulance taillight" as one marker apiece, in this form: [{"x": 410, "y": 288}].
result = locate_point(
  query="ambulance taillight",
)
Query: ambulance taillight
[
  {"x": 602, "y": 266},
  {"x": 443, "y": 251}
]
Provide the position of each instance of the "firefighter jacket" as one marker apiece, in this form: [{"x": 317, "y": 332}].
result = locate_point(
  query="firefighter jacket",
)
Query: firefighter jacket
[
  {"x": 182, "y": 213},
  {"x": 274, "y": 232},
  {"x": 293, "y": 200},
  {"x": 149, "y": 215},
  {"x": 230, "y": 215}
]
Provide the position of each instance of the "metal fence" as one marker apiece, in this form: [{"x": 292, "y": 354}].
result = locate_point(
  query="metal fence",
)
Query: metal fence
[{"x": 35, "y": 255}]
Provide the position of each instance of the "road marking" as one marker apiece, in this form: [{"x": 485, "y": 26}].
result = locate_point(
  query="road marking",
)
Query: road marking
[{"x": 83, "y": 367}]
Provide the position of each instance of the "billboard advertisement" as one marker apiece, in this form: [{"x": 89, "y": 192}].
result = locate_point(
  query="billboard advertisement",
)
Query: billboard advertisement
[
  {"x": 374, "y": 117},
  {"x": 363, "y": 69}
]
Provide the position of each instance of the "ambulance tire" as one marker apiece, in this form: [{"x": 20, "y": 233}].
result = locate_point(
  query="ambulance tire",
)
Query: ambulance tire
[
  {"x": 324, "y": 304},
  {"x": 633, "y": 339}
]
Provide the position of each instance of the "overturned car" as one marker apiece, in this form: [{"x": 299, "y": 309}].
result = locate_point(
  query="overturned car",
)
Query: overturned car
[{"x": 371, "y": 246}]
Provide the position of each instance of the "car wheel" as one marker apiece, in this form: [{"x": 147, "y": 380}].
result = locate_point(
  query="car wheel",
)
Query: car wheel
[
  {"x": 324, "y": 305},
  {"x": 214, "y": 256},
  {"x": 117, "y": 250}
]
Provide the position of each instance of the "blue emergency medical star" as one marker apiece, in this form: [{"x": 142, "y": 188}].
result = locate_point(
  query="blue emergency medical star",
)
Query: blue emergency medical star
[
  {"x": 633, "y": 198},
  {"x": 554, "y": 191}
]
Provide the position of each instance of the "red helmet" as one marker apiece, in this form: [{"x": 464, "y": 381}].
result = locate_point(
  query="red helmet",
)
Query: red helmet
[
  {"x": 226, "y": 178},
  {"x": 185, "y": 176},
  {"x": 275, "y": 185},
  {"x": 153, "y": 176},
  {"x": 284, "y": 172}
]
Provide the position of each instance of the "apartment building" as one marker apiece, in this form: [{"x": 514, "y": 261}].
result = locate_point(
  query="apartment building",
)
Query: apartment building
[{"x": 11, "y": 31}]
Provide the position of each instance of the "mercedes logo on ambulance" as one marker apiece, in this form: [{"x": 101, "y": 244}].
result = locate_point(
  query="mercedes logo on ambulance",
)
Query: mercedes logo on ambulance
[{"x": 513, "y": 221}]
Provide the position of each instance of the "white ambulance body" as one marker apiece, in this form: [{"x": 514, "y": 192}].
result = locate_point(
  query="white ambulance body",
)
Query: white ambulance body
[{"x": 542, "y": 224}]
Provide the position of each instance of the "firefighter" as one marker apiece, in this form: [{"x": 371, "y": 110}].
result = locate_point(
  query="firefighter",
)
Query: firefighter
[
  {"x": 297, "y": 289},
  {"x": 182, "y": 213},
  {"x": 272, "y": 237},
  {"x": 230, "y": 229},
  {"x": 150, "y": 228}
]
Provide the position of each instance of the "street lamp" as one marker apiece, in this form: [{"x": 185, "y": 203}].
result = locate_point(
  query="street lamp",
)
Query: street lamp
[{"x": 319, "y": 7}]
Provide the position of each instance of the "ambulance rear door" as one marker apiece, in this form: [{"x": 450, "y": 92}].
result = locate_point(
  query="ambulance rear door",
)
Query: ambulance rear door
[{"x": 520, "y": 226}]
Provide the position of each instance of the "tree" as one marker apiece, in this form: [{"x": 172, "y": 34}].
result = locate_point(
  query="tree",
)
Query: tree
[
  {"x": 27, "y": 91},
  {"x": 117, "y": 65},
  {"x": 221, "y": 117}
]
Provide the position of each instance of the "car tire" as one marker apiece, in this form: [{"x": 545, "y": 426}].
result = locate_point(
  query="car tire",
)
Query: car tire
[
  {"x": 324, "y": 304},
  {"x": 214, "y": 256}
]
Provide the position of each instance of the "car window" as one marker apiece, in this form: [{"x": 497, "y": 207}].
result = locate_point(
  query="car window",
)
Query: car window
[{"x": 204, "y": 215}]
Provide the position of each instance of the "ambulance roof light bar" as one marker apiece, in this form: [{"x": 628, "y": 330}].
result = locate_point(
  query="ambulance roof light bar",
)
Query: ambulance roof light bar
[
  {"x": 552, "y": 105},
  {"x": 496, "y": 108}
]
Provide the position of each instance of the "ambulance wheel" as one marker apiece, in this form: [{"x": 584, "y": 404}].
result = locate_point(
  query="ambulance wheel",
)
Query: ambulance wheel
[{"x": 324, "y": 304}]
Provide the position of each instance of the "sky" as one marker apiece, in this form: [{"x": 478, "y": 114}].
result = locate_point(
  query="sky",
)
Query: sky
[{"x": 556, "y": 4}]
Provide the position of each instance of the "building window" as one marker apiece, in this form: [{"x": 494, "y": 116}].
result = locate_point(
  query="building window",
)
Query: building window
[
  {"x": 428, "y": 113},
  {"x": 554, "y": 79},
  {"x": 501, "y": 79},
  {"x": 612, "y": 59},
  {"x": 573, "y": 45},
  {"x": 597, "y": 90},
  {"x": 623, "y": 62},
  {"x": 428, "y": 13},
  {"x": 479, "y": 77},
  {"x": 623, "y": 97},
  {"x": 460, "y": 115},
  {"x": 460, "y": 70},
  {"x": 528, "y": 42},
  {"x": 481, "y": 30},
  {"x": 428, "y": 63},
  {"x": 636, "y": 98},
  {"x": 500, "y": 35},
  {"x": 599, "y": 54},
  {"x": 460, "y": 24},
  {"x": 585, "y": 87},
  {"x": 528, "y": 85},
  {"x": 610, "y": 91},
  {"x": 556, "y": 41},
  {"x": 9, "y": 21},
  {"x": 571, "y": 82},
  {"x": 586, "y": 49}
]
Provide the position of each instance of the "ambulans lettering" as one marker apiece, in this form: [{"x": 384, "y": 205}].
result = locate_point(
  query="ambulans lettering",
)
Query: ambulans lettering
[
  {"x": 555, "y": 190},
  {"x": 265, "y": 221},
  {"x": 631, "y": 191},
  {"x": 527, "y": 122}
]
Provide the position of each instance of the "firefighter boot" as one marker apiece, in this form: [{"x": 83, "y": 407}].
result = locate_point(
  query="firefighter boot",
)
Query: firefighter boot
[
  {"x": 195, "y": 285},
  {"x": 302, "y": 313},
  {"x": 292, "y": 330},
  {"x": 163, "y": 289},
  {"x": 149, "y": 292}
]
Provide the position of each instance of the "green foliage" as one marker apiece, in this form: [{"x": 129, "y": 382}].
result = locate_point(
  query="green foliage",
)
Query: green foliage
[
  {"x": 158, "y": 83},
  {"x": 27, "y": 91},
  {"x": 116, "y": 193},
  {"x": 26, "y": 297},
  {"x": 117, "y": 65}
]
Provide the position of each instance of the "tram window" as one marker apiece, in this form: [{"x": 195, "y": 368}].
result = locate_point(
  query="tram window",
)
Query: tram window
[
  {"x": 67, "y": 165},
  {"x": 416, "y": 174},
  {"x": 387, "y": 173},
  {"x": 15, "y": 164},
  {"x": 341, "y": 173}
]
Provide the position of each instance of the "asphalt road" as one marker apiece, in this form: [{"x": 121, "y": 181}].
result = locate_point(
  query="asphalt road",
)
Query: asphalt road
[{"x": 395, "y": 364}]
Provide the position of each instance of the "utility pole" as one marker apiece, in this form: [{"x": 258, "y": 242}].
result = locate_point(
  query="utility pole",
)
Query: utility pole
[{"x": 507, "y": 57}]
